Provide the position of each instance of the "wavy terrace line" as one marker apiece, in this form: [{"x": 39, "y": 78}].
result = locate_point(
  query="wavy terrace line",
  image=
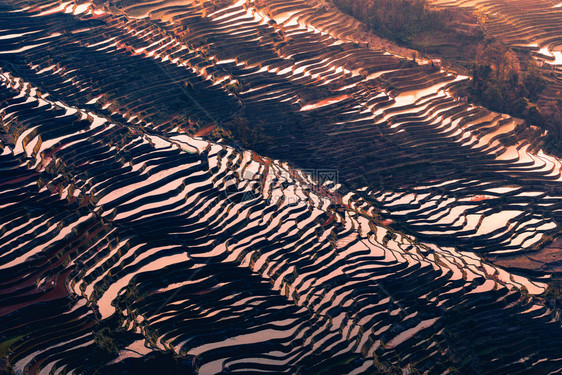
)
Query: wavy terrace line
[
  {"x": 175, "y": 243},
  {"x": 142, "y": 245}
]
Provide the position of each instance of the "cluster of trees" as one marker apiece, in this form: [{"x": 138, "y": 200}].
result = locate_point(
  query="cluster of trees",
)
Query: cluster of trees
[
  {"x": 552, "y": 114},
  {"x": 505, "y": 83},
  {"x": 398, "y": 20},
  {"x": 501, "y": 84},
  {"x": 250, "y": 136}
]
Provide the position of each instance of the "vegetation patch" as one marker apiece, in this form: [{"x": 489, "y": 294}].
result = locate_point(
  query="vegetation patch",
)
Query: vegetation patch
[{"x": 504, "y": 80}]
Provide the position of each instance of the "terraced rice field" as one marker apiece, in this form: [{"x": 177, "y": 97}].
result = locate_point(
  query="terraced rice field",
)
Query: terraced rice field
[
  {"x": 366, "y": 240},
  {"x": 534, "y": 25}
]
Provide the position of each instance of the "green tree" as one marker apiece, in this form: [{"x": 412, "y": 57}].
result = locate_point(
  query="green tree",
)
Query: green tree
[{"x": 493, "y": 98}]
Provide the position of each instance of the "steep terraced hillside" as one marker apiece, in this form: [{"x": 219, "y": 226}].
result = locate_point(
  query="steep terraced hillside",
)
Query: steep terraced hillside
[
  {"x": 364, "y": 239},
  {"x": 133, "y": 243},
  {"x": 535, "y": 25}
]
